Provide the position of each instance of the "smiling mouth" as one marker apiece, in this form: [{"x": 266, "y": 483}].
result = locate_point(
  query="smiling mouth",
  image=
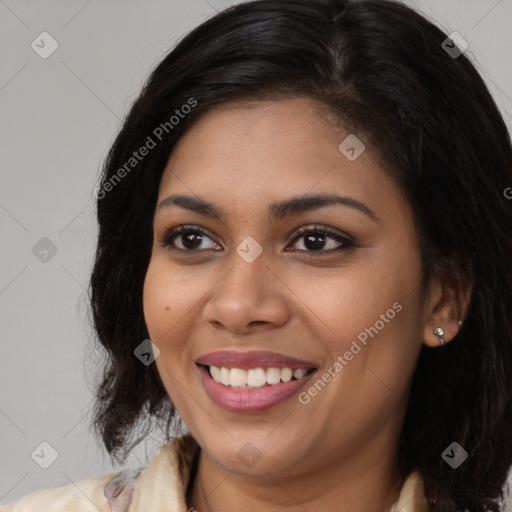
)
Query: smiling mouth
[{"x": 255, "y": 378}]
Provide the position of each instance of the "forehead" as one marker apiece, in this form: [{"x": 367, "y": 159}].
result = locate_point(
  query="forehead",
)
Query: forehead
[{"x": 251, "y": 150}]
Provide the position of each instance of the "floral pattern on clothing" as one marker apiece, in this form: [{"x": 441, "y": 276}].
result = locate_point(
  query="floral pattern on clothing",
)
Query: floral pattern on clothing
[{"x": 119, "y": 489}]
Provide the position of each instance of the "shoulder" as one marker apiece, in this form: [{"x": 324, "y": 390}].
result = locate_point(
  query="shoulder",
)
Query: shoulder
[
  {"x": 160, "y": 484},
  {"x": 412, "y": 496},
  {"x": 81, "y": 496}
]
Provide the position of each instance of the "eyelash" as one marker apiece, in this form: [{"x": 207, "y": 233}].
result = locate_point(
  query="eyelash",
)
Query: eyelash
[{"x": 167, "y": 238}]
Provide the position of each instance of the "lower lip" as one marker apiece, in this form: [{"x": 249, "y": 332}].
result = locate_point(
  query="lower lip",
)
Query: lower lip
[{"x": 250, "y": 400}]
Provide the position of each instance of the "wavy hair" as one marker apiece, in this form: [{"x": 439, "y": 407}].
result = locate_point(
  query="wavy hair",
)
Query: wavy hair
[{"x": 380, "y": 68}]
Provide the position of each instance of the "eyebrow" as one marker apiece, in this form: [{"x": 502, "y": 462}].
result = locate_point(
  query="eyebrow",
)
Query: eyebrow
[{"x": 276, "y": 212}]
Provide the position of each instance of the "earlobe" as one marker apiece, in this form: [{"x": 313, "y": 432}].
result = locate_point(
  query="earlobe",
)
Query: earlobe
[
  {"x": 448, "y": 310},
  {"x": 438, "y": 331},
  {"x": 442, "y": 333}
]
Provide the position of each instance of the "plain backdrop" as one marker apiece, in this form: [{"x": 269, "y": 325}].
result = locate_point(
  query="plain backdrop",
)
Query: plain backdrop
[{"x": 58, "y": 118}]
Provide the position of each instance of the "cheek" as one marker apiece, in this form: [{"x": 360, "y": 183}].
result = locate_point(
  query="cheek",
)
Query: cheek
[
  {"x": 171, "y": 302},
  {"x": 161, "y": 302},
  {"x": 153, "y": 304},
  {"x": 342, "y": 304},
  {"x": 382, "y": 318},
  {"x": 370, "y": 311}
]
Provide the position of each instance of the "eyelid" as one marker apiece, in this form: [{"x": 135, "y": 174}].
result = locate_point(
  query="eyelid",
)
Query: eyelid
[{"x": 313, "y": 228}]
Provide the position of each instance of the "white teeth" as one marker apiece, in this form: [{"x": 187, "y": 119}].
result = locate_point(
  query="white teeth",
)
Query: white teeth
[
  {"x": 254, "y": 378},
  {"x": 224, "y": 376},
  {"x": 273, "y": 375},
  {"x": 237, "y": 377},
  {"x": 215, "y": 373},
  {"x": 298, "y": 374},
  {"x": 286, "y": 374}
]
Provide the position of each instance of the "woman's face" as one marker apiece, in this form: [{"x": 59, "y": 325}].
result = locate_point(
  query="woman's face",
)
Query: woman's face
[{"x": 256, "y": 298}]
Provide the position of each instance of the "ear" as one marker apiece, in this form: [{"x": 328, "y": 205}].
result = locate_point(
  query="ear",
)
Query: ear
[{"x": 447, "y": 305}]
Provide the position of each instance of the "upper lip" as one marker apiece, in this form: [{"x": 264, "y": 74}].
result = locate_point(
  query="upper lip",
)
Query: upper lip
[{"x": 246, "y": 360}]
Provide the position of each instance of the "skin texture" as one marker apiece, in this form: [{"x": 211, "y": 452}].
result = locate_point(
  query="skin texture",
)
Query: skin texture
[{"x": 337, "y": 452}]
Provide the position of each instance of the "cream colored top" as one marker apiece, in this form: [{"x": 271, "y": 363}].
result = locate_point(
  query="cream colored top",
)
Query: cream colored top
[{"x": 159, "y": 487}]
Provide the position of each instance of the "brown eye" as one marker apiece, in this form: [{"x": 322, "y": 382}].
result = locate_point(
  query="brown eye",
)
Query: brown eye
[
  {"x": 189, "y": 237},
  {"x": 322, "y": 241}
]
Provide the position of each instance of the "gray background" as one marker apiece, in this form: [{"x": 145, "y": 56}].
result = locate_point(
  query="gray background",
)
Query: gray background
[{"x": 58, "y": 117}]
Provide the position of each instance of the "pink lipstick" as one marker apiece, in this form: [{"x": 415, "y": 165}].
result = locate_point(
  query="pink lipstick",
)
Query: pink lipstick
[{"x": 251, "y": 381}]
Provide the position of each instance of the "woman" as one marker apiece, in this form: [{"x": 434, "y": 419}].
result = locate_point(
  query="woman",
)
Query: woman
[{"x": 305, "y": 250}]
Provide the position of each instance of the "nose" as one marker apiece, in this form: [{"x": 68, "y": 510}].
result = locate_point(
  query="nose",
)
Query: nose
[{"x": 249, "y": 297}]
